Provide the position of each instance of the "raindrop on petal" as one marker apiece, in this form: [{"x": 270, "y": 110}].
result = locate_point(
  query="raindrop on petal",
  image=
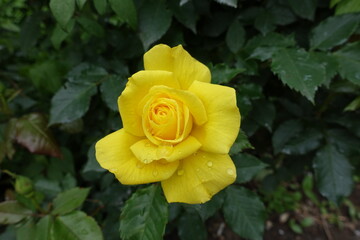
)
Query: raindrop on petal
[
  {"x": 140, "y": 165},
  {"x": 230, "y": 171}
]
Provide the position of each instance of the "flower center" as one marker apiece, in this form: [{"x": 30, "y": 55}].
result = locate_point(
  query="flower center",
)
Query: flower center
[{"x": 166, "y": 120}]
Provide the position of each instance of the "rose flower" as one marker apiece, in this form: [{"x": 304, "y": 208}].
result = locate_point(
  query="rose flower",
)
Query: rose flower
[{"x": 177, "y": 129}]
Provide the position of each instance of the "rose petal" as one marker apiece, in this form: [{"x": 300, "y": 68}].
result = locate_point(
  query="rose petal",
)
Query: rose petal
[
  {"x": 185, "y": 68},
  {"x": 113, "y": 153},
  {"x": 196, "y": 107},
  {"x": 159, "y": 58},
  {"x": 148, "y": 152},
  {"x": 136, "y": 88},
  {"x": 199, "y": 177},
  {"x": 220, "y": 131}
]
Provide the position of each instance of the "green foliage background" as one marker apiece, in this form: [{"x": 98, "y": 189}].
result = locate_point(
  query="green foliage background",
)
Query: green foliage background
[{"x": 295, "y": 66}]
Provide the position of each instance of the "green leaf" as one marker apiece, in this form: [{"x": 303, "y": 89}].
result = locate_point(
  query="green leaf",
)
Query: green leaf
[
  {"x": 91, "y": 26},
  {"x": 346, "y": 6},
  {"x": 75, "y": 226},
  {"x": 126, "y": 11},
  {"x": 12, "y": 212},
  {"x": 344, "y": 141},
  {"x": 307, "y": 222},
  {"x": 111, "y": 89},
  {"x": 182, "y": 2},
  {"x": 282, "y": 14},
  {"x": 264, "y": 47},
  {"x": 30, "y": 32},
  {"x": 100, "y": 6},
  {"x": 241, "y": 143},
  {"x": 329, "y": 62},
  {"x": 299, "y": 70},
  {"x": 69, "y": 200},
  {"x": 308, "y": 188},
  {"x": 235, "y": 36},
  {"x": 80, "y": 3},
  {"x": 333, "y": 173},
  {"x": 263, "y": 113},
  {"x": 348, "y": 120},
  {"x": 191, "y": 227},
  {"x": 353, "y": 105},
  {"x": 348, "y": 59},
  {"x": 208, "y": 209},
  {"x": 305, "y": 141},
  {"x": 231, "y": 3},
  {"x": 72, "y": 101},
  {"x": 246, "y": 93},
  {"x": 27, "y": 230},
  {"x": 62, "y": 10},
  {"x": 185, "y": 14},
  {"x": 49, "y": 187},
  {"x": 334, "y": 2},
  {"x": 144, "y": 215},
  {"x": 247, "y": 166},
  {"x": 244, "y": 212},
  {"x": 222, "y": 73},
  {"x": 296, "y": 228},
  {"x": 43, "y": 228},
  {"x": 305, "y": 8},
  {"x": 271, "y": 39},
  {"x": 31, "y": 131},
  {"x": 264, "y": 53},
  {"x": 284, "y": 133},
  {"x": 60, "y": 34},
  {"x": 92, "y": 165},
  {"x": 265, "y": 22},
  {"x": 333, "y": 31},
  {"x": 85, "y": 72},
  {"x": 41, "y": 72},
  {"x": 154, "y": 21}
]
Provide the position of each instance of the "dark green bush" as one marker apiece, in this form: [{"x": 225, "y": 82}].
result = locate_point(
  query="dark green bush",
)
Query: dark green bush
[{"x": 294, "y": 64}]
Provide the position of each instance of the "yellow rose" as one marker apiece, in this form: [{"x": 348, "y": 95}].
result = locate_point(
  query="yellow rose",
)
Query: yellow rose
[{"x": 178, "y": 129}]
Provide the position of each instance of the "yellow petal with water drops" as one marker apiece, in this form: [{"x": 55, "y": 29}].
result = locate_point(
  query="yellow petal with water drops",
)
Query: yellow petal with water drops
[
  {"x": 137, "y": 87},
  {"x": 148, "y": 152},
  {"x": 159, "y": 58},
  {"x": 187, "y": 69},
  {"x": 113, "y": 153},
  {"x": 199, "y": 177},
  {"x": 220, "y": 131}
]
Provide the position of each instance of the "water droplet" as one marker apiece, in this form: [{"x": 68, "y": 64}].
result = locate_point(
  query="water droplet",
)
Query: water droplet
[
  {"x": 195, "y": 153},
  {"x": 155, "y": 173},
  {"x": 164, "y": 151},
  {"x": 180, "y": 172},
  {"x": 113, "y": 169},
  {"x": 209, "y": 164},
  {"x": 198, "y": 169},
  {"x": 230, "y": 171},
  {"x": 147, "y": 144},
  {"x": 140, "y": 165}
]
